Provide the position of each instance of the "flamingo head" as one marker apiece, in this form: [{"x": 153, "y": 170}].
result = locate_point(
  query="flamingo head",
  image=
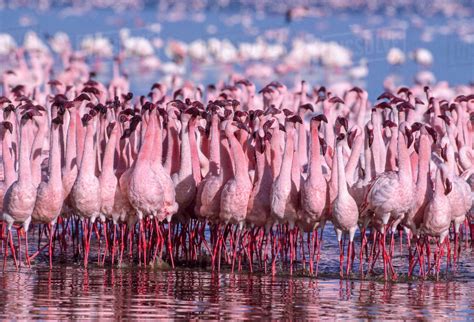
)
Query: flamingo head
[
  {"x": 343, "y": 122},
  {"x": 307, "y": 106},
  {"x": 58, "y": 120},
  {"x": 8, "y": 126},
  {"x": 340, "y": 137},
  {"x": 445, "y": 118}
]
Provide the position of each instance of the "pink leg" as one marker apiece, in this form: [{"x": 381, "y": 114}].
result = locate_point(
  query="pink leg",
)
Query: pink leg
[
  {"x": 106, "y": 247},
  {"x": 291, "y": 251},
  {"x": 19, "y": 245},
  {"x": 12, "y": 247},
  {"x": 318, "y": 256},
  {"x": 341, "y": 259},
  {"x": 143, "y": 241},
  {"x": 50, "y": 249},
  {"x": 170, "y": 245},
  {"x": 400, "y": 236},
  {"x": 349, "y": 258},
  {"x": 113, "y": 244},
  {"x": 361, "y": 252}
]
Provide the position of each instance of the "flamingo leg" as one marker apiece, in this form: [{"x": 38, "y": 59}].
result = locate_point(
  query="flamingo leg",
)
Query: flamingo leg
[
  {"x": 349, "y": 258},
  {"x": 12, "y": 247},
  {"x": 341, "y": 258},
  {"x": 50, "y": 246}
]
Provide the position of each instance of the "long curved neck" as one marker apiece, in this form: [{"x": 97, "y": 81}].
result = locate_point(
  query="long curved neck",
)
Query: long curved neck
[
  {"x": 315, "y": 170},
  {"x": 227, "y": 170},
  {"x": 24, "y": 174},
  {"x": 157, "y": 154},
  {"x": 55, "y": 156},
  {"x": 88, "y": 158},
  {"x": 101, "y": 141},
  {"x": 36, "y": 152},
  {"x": 423, "y": 163},
  {"x": 172, "y": 147},
  {"x": 260, "y": 161},
  {"x": 391, "y": 164},
  {"x": 240, "y": 161},
  {"x": 186, "y": 167},
  {"x": 8, "y": 160},
  {"x": 354, "y": 158},
  {"x": 80, "y": 139},
  {"x": 369, "y": 163},
  {"x": 341, "y": 173},
  {"x": 439, "y": 186},
  {"x": 302, "y": 139},
  {"x": 71, "y": 149},
  {"x": 286, "y": 163},
  {"x": 276, "y": 152},
  {"x": 379, "y": 147},
  {"x": 149, "y": 139},
  {"x": 193, "y": 148},
  {"x": 404, "y": 164},
  {"x": 215, "y": 153},
  {"x": 109, "y": 153}
]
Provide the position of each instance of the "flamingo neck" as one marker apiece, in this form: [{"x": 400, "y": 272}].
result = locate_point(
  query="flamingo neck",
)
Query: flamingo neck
[
  {"x": 55, "y": 156},
  {"x": 71, "y": 142},
  {"x": 286, "y": 163},
  {"x": 8, "y": 160},
  {"x": 149, "y": 139},
  {"x": 354, "y": 158},
  {"x": 80, "y": 137},
  {"x": 276, "y": 152},
  {"x": 24, "y": 173},
  {"x": 240, "y": 161},
  {"x": 196, "y": 167},
  {"x": 88, "y": 158},
  {"x": 227, "y": 170},
  {"x": 404, "y": 164},
  {"x": 341, "y": 173},
  {"x": 186, "y": 167},
  {"x": 215, "y": 153},
  {"x": 315, "y": 170},
  {"x": 109, "y": 153}
]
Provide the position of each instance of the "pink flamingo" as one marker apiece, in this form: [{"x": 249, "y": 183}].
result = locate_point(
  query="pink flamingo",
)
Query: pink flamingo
[
  {"x": 390, "y": 195},
  {"x": 184, "y": 180},
  {"x": 145, "y": 191},
  {"x": 259, "y": 205},
  {"x": 49, "y": 198},
  {"x": 85, "y": 193},
  {"x": 314, "y": 188},
  {"x": 436, "y": 219},
  {"x": 236, "y": 192},
  {"x": 345, "y": 212},
  {"x": 20, "y": 198},
  {"x": 460, "y": 198},
  {"x": 285, "y": 198}
]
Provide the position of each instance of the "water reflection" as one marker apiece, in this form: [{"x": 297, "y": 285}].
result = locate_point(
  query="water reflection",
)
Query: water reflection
[{"x": 72, "y": 292}]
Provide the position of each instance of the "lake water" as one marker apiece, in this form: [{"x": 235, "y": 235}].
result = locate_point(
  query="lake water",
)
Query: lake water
[{"x": 72, "y": 292}]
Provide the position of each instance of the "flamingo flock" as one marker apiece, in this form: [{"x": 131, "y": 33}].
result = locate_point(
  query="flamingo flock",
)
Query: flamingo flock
[{"x": 243, "y": 177}]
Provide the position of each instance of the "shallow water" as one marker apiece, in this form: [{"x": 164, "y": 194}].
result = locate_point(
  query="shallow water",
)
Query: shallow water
[{"x": 70, "y": 291}]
